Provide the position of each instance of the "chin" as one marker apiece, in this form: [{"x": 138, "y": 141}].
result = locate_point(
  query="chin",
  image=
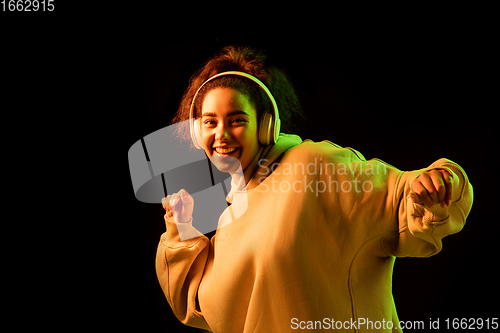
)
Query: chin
[{"x": 226, "y": 163}]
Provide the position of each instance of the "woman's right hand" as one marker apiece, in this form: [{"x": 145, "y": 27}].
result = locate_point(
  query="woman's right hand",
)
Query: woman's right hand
[{"x": 179, "y": 206}]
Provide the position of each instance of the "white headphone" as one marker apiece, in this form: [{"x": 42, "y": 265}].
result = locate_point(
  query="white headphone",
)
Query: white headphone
[{"x": 269, "y": 127}]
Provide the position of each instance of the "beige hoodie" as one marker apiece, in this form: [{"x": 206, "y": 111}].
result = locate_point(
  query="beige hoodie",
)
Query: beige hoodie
[{"x": 312, "y": 248}]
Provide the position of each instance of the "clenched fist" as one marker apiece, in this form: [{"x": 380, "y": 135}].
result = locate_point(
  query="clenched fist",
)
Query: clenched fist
[
  {"x": 433, "y": 189},
  {"x": 179, "y": 205}
]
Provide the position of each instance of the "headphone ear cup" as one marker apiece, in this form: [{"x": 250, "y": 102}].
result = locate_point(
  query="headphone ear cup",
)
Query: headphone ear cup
[
  {"x": 197, "y": 135},
  {"x": 265, "y": 128},
  {"x": 276, "y": 132}
]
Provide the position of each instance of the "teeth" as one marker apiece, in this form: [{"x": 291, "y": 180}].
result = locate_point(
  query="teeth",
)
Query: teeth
[{"x": 225, "y": 150}]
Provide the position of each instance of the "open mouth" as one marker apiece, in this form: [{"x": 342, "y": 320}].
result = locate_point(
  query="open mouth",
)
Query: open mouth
[{"x": 226, "y": 151}]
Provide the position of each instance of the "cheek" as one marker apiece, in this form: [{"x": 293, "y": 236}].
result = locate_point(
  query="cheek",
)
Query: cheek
[
  {"x": 207, "y": 138},
  {"x": 248, "y": 137},
  {"x": 250, "y": 143}
]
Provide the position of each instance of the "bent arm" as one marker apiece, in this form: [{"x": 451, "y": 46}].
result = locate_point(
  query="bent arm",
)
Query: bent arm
[
  {"x": 179, "y": 268},
  {"x": 420, "y": 232}
]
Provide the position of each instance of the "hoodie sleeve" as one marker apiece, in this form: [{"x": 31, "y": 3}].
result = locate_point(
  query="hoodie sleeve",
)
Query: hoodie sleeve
[
  {"x": 420, "y": 233},
  {"x": 179, "y": 268}
]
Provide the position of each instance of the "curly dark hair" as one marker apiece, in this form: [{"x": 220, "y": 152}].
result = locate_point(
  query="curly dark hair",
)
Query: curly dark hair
[{"x": 253, "y": 62}]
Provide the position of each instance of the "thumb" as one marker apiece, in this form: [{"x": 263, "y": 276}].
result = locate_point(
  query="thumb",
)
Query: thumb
[
  {"x": 174, "y": 200},
  {"x": 185, "y": 197}
]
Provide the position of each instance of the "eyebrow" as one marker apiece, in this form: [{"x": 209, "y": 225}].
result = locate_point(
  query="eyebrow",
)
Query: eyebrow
[{"x": 231, "y": 113}]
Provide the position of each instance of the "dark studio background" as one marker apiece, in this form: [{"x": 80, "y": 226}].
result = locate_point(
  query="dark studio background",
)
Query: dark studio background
[{"x": 407, "y": 93}]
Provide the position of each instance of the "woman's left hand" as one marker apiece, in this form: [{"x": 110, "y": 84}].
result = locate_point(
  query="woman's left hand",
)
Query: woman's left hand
[{"x": 433, "y": 189}]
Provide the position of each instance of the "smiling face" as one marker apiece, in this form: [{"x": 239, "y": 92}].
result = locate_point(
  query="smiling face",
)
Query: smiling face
[{"x": 229, "y": 129}]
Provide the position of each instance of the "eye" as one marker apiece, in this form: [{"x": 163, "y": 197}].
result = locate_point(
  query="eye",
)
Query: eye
[
  {"x": 209, "y": 122},
  {"x": 238, "y": 121}
]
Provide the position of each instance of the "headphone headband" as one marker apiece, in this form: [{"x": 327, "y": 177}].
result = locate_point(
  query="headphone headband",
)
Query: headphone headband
[{"x": 275, "y": 125}]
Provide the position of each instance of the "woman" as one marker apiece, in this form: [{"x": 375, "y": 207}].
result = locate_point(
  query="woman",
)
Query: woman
[{"x": 314, "y": 245}]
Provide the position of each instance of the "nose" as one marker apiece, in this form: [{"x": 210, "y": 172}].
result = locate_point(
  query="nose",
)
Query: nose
[{"x": 222, "y": 133}]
